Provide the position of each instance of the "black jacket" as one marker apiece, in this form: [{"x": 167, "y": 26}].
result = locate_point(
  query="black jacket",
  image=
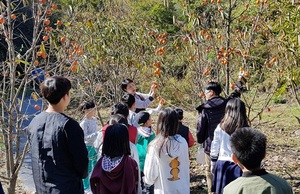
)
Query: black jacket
[
  {"x": 210, "y": 115},
  {"x": 58, "y": 154},
  {"x": 183, "y": 131}
]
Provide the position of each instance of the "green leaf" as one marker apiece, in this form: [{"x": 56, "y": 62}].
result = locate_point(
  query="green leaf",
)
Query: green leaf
[{"x": 22, "y": 61}]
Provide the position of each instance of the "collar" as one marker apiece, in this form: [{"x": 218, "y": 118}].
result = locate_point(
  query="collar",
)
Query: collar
[{"x": 254, "y": 173}]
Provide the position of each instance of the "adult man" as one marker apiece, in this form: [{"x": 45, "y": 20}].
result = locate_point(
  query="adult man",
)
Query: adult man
[
  {"x": 248, "y": 150},
  {"x": 58, "y": 152},
  {"x": 210, "y": 115}
]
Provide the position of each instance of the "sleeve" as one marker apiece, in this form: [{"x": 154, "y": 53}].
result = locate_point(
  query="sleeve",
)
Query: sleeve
[
  {"x": 94, "y": 180},
  {"x": 151, "y": 166},
  {"x": 143, "y": 103},
  {"x": 191, "y": 140},
  {"x": 134, "y": 153},
  {"x": 154, "y": 110},
  {"x": 83, "y": 127},
  {"x": 202, "y": 131},
  {"x": 90, "y": 139},
  {"x": 77, "y": 148},
  {"x": 216, "y": 144}
]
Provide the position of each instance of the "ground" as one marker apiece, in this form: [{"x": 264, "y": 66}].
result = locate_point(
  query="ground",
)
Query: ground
[{"x": 278, "y": 122}]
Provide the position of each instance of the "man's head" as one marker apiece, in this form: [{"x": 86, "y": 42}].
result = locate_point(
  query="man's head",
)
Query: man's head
[
  {"x": 55, "y": 88},
  {"x": 248, "y": 147},
  {"x": 212, "y": 89}
]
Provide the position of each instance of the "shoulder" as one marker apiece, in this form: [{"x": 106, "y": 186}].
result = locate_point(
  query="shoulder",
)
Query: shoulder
[
  {"x": 183, "y": 127},
  {"x": 131, "y": 127},
  {"x": 273, "y": 177},
  {"x": 179, "y": 138},
  {"x": 235, "y": 186},
  {"x": 71, "y": 124}
]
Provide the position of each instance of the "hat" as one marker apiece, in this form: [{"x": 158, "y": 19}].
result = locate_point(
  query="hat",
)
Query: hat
[
  {"x": 142, "y": 117},
  {"x": 179, "y": 112}
]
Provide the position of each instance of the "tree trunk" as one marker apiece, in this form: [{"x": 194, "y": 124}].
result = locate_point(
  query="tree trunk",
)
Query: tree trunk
[{"x": 12, "y": 185}]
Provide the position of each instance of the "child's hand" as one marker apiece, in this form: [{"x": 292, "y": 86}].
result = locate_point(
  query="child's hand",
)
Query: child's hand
[
  {"x": 161, "y": 100},
  {"x": 154, "y": 86}
]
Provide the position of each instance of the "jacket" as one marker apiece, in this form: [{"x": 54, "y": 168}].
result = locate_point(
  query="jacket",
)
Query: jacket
[
  {"x": 142, "y": 145},
  {"x": 58, "y": 154},
  {"x": 122, "y": 179},
  {"x": 184, "y": 131},
  {"x": 210, "y": 115},
  {"x": 168, "y": 171},
  {"x": 258, "y": 182}
]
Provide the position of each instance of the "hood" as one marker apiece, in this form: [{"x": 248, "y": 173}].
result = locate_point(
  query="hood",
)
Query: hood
[
  {"x": 172, "y": 148},
  {"x": 113, "y": 169},
  {"x": 212, "y": 103}
]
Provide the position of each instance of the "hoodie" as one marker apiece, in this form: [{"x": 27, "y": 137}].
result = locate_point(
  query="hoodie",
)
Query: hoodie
[
  {"x": 115, "y": 177},
  {"x": 168, "y": 171}
]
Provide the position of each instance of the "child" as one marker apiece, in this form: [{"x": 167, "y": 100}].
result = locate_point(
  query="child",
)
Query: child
[
  {"x": 183, "y": 130},
  {"x": 130, "y": 101},
  {"x": 116, "y": 171},
  {"x": 145, "y": 136},
  {"x": 118, "y": 118},
  {"x": 89, "y": 125},
  {"x": 167, "y": 159},
  {"x": 142, "y": 100},
  {"x": 248, "y": 150},
  {"x": 122, "y": 108},
  {"x": 223, "y": 168},
  {"x": 58, "y": 153}
]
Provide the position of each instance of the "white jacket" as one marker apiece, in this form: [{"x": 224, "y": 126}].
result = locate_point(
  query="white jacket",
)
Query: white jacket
[
  {"x": 221, "y": 147},
  {"x": 168, "y": 172}
]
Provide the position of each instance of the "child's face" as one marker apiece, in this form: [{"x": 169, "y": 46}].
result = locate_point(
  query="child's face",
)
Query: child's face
[
  {"x": 148, "y": 123},
  {"x": 130, "y": 89},
  {"x": 90, "y": 112}
]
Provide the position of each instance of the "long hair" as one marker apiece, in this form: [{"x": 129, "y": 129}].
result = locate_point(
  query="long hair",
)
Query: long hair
[
  {"x": 116, "y": 141},
  {"x": 167, "y": 126},
  {"x": 235, "y": 116}
]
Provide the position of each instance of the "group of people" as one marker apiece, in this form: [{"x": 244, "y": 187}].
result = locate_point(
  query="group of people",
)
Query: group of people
[
  {"x": 233, "y": 150},
  {"x": 129, "y": 155}
]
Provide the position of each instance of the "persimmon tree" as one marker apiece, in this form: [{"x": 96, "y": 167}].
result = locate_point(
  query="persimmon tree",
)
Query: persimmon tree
[{"x": 25, "y": 30}]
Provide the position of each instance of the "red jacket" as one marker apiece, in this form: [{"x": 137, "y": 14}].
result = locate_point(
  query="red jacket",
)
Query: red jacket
[{"x": 132, "y": 132}]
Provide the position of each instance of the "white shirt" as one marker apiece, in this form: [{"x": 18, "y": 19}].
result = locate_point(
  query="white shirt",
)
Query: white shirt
[{"x": 90, "y": 128}]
